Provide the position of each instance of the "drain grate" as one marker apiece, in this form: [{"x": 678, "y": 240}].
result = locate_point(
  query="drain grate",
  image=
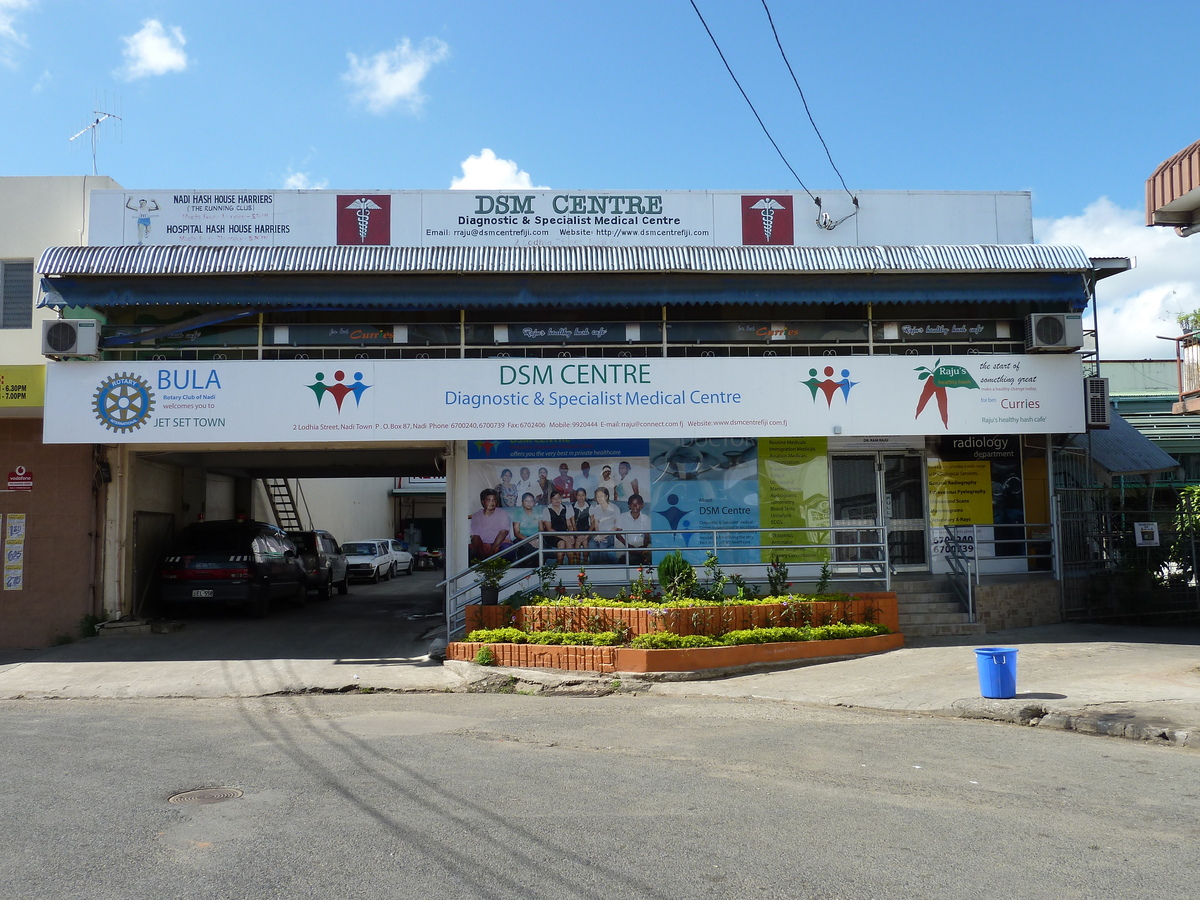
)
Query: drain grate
[{"x": 211, "y": 795}]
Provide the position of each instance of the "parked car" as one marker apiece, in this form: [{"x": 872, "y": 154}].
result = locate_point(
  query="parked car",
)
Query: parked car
[
  {"x": 325, "y": 564},
  {"x": 368, "y": 560},
  {"x": 232, "y": 563},
  {"x": 402, "y": 560}
]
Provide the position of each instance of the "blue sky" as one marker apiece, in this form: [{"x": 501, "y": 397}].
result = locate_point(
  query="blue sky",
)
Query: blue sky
[{"x": 1068, "y": 100}]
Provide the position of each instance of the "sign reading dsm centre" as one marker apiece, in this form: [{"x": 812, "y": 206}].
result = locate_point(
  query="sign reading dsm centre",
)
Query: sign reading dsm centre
[{"x": 334, "y": 401}]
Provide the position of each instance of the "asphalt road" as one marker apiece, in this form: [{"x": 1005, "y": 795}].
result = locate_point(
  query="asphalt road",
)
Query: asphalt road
[{"x": 495, "y": 796}]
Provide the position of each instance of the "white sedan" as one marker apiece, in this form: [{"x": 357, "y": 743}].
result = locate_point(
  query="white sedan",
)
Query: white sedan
[
  {"x": 368, "y": 560},
  {"x": 402, "y": 560}
]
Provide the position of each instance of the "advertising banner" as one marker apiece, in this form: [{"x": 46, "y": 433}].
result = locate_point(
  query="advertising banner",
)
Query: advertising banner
[
  {"x": 22, "y": 386},
  {"x": 631, "y": 501},
  {"x": 465, "y": 218},
  {"x": 331, "y": 401}
]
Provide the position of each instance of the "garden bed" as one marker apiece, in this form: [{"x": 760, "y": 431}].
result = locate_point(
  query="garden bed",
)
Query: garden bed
[
  {"x": 610, "y": 660},
  {"x": 869, "y": 606},
  {"x": 700, "y": 619}
]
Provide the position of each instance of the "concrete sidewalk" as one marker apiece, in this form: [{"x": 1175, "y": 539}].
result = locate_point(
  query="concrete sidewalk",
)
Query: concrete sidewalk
[{"x": 1140, "y": 683}]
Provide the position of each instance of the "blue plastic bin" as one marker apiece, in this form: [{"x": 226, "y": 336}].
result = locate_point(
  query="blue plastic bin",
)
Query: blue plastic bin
[{"x": 997, "y": 672}]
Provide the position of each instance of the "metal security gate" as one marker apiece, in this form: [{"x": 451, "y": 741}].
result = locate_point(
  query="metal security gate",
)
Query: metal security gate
[{"x": 1123, "y": 564}]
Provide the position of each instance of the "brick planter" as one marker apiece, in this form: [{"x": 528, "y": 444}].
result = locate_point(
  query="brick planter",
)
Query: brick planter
[
  {"x": 878, "y": 606},
  {"x": 711, "y": 620},
  {"x": 609, "y": 660}
]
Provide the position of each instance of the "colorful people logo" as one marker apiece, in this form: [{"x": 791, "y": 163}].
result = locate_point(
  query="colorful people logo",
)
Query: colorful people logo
[
  {"x": 829, "y": 385},
  {"x": 338, "y": 390}
]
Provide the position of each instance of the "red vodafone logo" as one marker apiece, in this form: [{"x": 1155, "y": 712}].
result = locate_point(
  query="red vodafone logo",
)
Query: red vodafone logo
[
  {"x": 20, "y": 479},
  {"x": 768, "y": 220}
]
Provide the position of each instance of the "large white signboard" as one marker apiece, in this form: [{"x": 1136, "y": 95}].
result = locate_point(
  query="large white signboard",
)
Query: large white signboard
[
  {"x": 339, "y": 401},
  {"x": 551, "y": 218}
]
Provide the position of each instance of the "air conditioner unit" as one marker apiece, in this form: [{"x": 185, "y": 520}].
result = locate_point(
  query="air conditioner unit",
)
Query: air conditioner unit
[
  {"x": 1095, "y": 396},
  {"x": 70, "y": 337},
  {"x": 1053, "y": 332}
]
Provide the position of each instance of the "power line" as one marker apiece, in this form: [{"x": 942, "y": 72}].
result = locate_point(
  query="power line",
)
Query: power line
[
  {"x": 745, "y": 97},
  {"x": 800, "y": 90}
]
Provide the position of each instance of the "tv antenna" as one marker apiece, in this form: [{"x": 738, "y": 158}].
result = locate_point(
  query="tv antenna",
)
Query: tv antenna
[{"x": 93, "y": 129}]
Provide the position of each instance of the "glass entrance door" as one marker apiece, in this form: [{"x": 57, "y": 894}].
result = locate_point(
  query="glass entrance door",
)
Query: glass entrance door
[{"x": 869, "y": 490}]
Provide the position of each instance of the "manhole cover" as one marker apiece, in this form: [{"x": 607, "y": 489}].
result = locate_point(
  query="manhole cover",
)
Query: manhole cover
[{"x": 212, "y": 795}]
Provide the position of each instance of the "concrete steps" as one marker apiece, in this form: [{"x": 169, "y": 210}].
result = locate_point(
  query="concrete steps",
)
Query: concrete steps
[{"x": 928, "y": 607}]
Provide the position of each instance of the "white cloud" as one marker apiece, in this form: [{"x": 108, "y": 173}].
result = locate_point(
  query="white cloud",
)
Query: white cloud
[
  {"x": 154, "y": 50},
  {"x": 394, "y": 76},
  {"x": 1132, "y": 308},
  {"x": 487, "y": 172},
  {"x": 302, "y": 181},
  {"x": 10, "y": 38}
]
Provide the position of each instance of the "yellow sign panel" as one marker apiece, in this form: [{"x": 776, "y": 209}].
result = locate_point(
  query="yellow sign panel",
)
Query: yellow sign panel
[
  {"x": 960, "y": 493},
  {"x": 22, "y": 386}
]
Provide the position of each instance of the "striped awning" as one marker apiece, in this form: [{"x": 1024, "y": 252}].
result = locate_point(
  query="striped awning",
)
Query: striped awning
[{"x": 355, "y": 260}]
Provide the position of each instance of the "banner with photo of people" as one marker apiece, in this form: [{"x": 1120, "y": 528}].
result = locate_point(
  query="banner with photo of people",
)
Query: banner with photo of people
[{"x": 630, "y": 501}]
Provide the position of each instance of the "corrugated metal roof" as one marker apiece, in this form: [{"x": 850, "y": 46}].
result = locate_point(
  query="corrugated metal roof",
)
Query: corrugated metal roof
[
  {"x": 1123, "y": 450},
  {"x": 191, "y": 261}
]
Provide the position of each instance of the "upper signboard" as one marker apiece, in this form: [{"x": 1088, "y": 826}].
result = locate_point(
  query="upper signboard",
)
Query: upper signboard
[{"x": 553, "y": 218}]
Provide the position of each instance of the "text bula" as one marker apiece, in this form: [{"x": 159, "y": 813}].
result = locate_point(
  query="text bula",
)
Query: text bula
[{"x": 187, "y": 379}]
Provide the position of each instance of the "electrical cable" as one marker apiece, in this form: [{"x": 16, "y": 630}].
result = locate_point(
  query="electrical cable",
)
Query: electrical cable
[
  {"x": 800, "y": 90},
  {"x": 745, "y": 97}
]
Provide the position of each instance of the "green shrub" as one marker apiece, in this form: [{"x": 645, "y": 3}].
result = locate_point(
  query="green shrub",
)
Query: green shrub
[
  {"x": 497, "y": 636},
  {"x": 516, "y": 636},
  {"x": 668, "y": 641},
  {"x": 485, "y": 657},
  {"x": 676, "y": 575}
]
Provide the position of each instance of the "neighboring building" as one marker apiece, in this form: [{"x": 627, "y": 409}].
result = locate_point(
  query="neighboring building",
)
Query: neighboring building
[
  {"x": 1173, "y": 192},
  {"x": 51, "y": 496},
  {"x": 1144, "y": 393},
  {"x": 744, "y": 368}
]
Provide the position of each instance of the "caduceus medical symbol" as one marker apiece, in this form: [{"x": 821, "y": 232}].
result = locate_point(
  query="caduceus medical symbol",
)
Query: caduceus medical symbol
[
  {"x": 363, "y": 206},
  {"x": 767, "y": 206}
]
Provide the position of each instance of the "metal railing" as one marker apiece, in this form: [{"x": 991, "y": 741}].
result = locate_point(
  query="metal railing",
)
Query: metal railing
[
  {"x": 836, "y": 554},
  {"x": 1009, "y": 543}
]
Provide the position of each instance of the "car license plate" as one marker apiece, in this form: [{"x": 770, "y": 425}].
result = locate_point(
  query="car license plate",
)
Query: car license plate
[{"x": 202, "y": 592}]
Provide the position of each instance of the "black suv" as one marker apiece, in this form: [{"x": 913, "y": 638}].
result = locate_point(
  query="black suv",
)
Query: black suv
[
  {"x": 324, "y": 562},
  {"x": 232, "y": 563}
]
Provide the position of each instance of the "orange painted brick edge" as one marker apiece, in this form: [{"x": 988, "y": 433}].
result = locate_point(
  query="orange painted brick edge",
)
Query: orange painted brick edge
[{"x": 626, "y": 659}]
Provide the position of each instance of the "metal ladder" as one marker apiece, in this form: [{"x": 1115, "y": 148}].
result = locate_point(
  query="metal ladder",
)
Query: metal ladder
[{"x": 283, "y": 504}]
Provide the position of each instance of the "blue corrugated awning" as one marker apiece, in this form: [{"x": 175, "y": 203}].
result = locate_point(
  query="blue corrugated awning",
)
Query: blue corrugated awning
[{"x": 437, "y": 292}]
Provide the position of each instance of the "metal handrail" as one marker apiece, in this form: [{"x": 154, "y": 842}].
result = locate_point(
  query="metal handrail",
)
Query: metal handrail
[
  {"x": 962, "y": 553},
  {"x": 530, "y": 554},
  {"x": 961, "y": 565}
]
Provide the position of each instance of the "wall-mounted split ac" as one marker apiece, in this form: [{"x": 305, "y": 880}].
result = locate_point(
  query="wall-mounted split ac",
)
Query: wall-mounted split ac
[
  {"x": 1095, "y": 398},
  {"x": 1053, "y": 332},
  {"x": 70, "y": 337}
]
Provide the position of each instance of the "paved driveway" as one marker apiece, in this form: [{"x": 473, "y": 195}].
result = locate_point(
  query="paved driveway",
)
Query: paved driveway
[{"x": 350, "y": 639}]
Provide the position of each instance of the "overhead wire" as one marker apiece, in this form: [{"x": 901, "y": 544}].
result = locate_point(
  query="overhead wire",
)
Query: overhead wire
[
  {"x": 803, "y": 100},
  {"x": 823, "y": 218},
  {"x": 746, "y": 97}
]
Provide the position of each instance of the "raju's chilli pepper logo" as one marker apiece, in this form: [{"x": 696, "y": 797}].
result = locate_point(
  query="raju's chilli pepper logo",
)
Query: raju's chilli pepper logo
[{"x": 937, "y": 381}]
